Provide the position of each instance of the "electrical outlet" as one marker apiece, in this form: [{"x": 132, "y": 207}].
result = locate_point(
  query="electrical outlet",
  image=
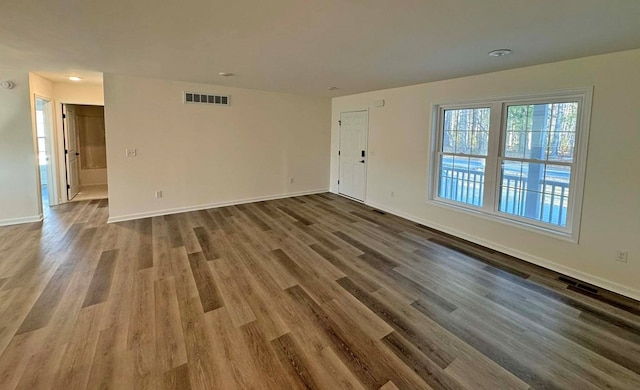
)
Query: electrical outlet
[
  {"x": 130, "y": 152},
  {"x": 621, "y": 256},
  {"x": 158, "y": 194},
  {"x": 291, "y": 180}
]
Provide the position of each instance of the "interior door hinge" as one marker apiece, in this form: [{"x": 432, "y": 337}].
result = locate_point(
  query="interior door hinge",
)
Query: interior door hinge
[
  {"x": 338, "y": 152},
  {"x": 339, "y": 123},
  {"x": 66, "y": 151},
  {"x": 64, "y": 116},
  {"x": 68, "y": 186},
  {"x": 338, "y": 182}
]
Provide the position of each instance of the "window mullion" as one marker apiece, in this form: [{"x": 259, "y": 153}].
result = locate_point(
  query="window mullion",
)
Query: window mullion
[{"x": 492, "y": 165}]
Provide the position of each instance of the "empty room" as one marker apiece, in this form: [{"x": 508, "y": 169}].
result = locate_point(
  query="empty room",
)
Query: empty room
[{"x": 331, "y": 194}]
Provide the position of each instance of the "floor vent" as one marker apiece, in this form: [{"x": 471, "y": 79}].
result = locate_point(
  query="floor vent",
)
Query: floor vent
[
  {"x": 587, "y": 288},
  {"x": 567, "y": 280},
  {"x": 577, "y": 286},
  {"x": 200, "y": 98}
]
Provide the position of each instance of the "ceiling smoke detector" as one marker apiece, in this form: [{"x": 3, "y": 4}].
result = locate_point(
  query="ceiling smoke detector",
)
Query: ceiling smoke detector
[
  {"x": 499, "y": 52},
  {"x": 332, "y": 88},
  {"x": 74, "y": 78},
  {"x": 225, "y": 74},
  {"x": 6, "y": 84}
]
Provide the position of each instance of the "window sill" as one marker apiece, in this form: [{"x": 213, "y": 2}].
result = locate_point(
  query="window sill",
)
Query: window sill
[{"x": 564, "y": 235}]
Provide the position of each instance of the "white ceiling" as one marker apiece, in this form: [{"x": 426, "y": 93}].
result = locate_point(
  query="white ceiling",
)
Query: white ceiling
[
  {"x": 305, "y": 46},
  {"x": 86, "y": 76}
]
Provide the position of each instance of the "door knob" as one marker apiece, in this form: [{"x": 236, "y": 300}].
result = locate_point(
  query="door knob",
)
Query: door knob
[{"x": 362, "y": 161}]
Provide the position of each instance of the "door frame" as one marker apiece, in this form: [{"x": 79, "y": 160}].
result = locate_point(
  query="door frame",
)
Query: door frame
[
  {"x": 366, "y": 161},
  {"x": 50, "y": 145},
  {"x": 62, "y": 168},
  {"x": 65, "y": 146}
]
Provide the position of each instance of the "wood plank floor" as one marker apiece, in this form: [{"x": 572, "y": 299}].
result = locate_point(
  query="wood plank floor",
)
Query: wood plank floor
[{"x": 314, "y": 292}]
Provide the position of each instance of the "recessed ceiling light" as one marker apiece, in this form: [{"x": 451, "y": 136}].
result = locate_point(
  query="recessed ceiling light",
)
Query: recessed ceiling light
[
  {"x": 225, "y": 74},
  {"x": 74, "y": 78},
  {"x": 332, "y": 88},
  {"x": 499, "y": 52}
]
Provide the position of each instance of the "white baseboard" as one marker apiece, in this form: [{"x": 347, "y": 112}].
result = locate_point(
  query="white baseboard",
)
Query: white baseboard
[
  {"x": 574, "y": 273},
  {"x": 129, "y": 217},
  {"x": 17, "y": 221}
]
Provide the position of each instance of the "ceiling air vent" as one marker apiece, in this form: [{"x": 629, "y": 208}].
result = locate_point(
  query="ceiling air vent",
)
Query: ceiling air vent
[{"x": 201, "y": 98}]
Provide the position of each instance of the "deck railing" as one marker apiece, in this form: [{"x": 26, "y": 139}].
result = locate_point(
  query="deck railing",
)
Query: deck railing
[{"x": 550, "y": 199}]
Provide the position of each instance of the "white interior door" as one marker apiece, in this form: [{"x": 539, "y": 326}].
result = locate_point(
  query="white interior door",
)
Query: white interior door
[
  {"x": 354, "y": 127},
  {"x": 71, "y": 151}
]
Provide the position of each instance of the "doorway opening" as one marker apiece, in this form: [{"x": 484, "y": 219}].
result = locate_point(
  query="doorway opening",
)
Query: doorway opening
[
  {"x": 44, "y": 134},
  {"x": 85, "y": 152}
]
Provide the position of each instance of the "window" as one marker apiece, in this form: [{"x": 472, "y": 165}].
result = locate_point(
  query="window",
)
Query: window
[
  {"x": 516, "y": 160},
  {"x": 464, "y": 153},
  {"x": 40, "y": 130}
]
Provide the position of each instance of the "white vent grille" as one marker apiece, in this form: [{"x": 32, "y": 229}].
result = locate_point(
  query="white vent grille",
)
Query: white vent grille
[{"x": 201, "y": 98}]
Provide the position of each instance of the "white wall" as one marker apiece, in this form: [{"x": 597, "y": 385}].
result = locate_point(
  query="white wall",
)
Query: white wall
[
  {"x": 204, "y": 155},
  {"x": 91, "y": 177},
  {"x": 399, "y": 136},
  {"x": 79, "y": 93},
  {"x": 18, "y": 167}
]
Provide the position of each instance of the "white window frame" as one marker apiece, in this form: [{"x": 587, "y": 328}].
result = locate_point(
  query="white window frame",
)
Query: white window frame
[{"x": 497, "y": 133}]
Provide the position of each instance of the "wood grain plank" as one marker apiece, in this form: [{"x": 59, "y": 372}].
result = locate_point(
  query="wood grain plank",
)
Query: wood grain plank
[
  {"x": 43, "y": 309},
  {"x": 170, "y": 342},
  {"x": 358, "y": 356},
  {"x": 173, "y": 224},
  {"x": 75, "y": 366},
  {"x": 48, "y": 300},
  {"x": 274, "y": 375},
  {"x": 388, "y": 314},
  {"x": 207, "y": 220},
  {"x": 206, "y": 244},
  {"x": 144, "y": 254},
  {"x": 141, "y": 327},
  {"x": 177, "y": 378},
  {"x": 295, "y": 215},
  {"x": 110, "y": 362},
  {"x": 467, "y": 373},
  {"x": 101, "y": 281},
  {"x": 233, "y": 287},
  {"x": 522, "y": 371},
  {"x": 292, "y": 357},
  {"x": 346, "y": 267},
  {"x": 207, "y": 290}
]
